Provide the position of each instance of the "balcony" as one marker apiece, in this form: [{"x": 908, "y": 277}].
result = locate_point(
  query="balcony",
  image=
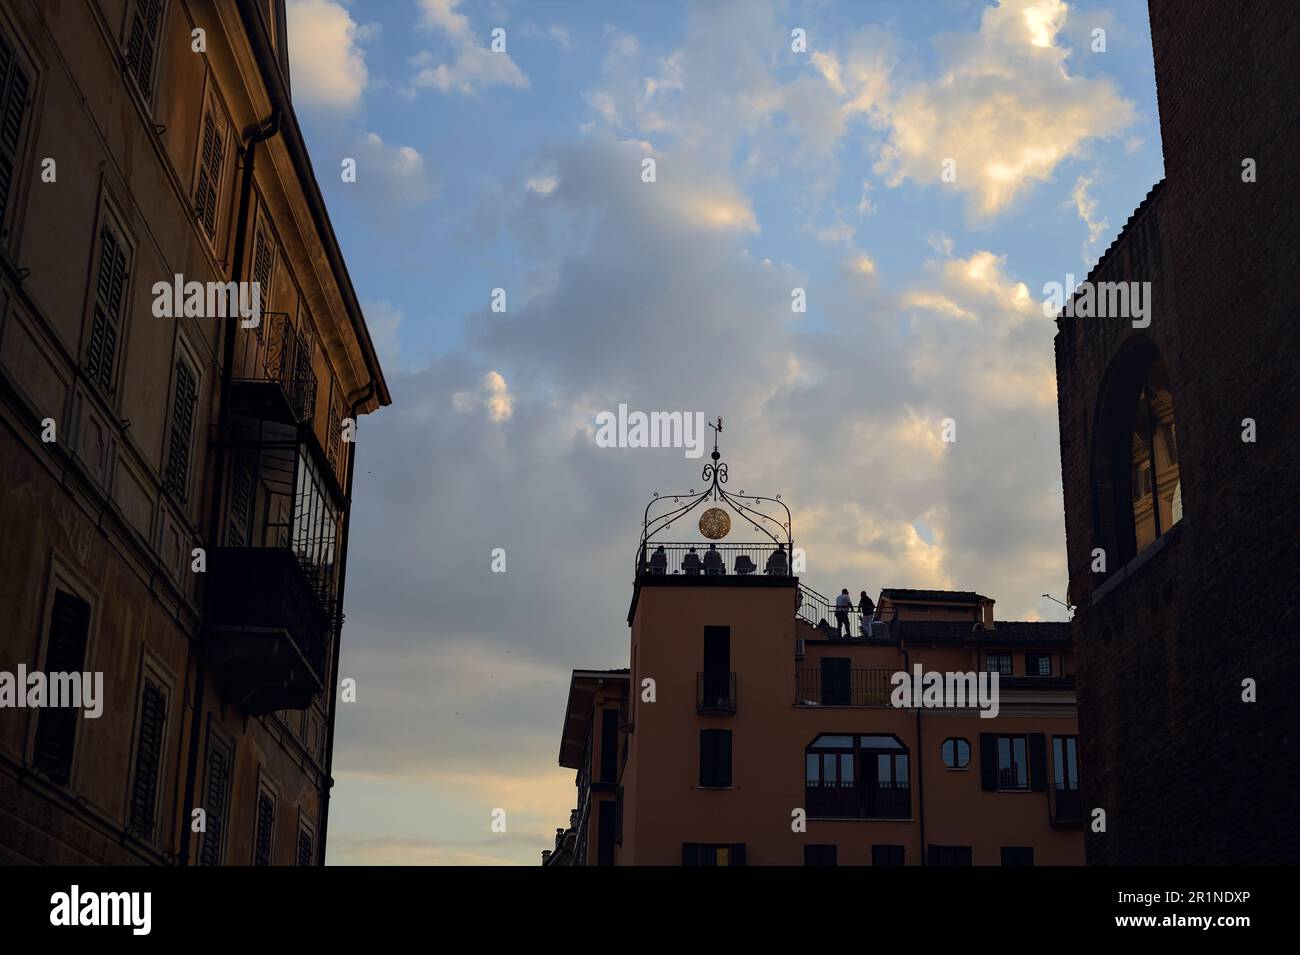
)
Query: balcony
[
  {"x": 715, "y": 694},
  {"x": 815, "y": 686},
  {"x": 270, "y": 629},
  {"x": 848, "y": 800},
  {"x": 819, "y": 613},
  {"x": 713, "y": 561},
  {"x": 1067, "y": 807},
  {"x": 273, "y": 377}
]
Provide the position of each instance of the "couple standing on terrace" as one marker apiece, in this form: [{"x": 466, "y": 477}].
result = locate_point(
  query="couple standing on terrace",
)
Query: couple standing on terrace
[{"x": 844, "y": 606}]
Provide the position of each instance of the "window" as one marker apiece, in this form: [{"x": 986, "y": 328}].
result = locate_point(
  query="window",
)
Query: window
[
  {"x": 1135, "y": 461},
  {"x": 862, "y": 777},
  {"x": 713, "y": 853},
  {"x": 1038, "y": 664},
  {"x": 1017, "y": 855},
  {"x": 333, "y": 438},
  {"x": 56, "y": 726},
  {"x": 606, "y": 823},
  {"x": 212, "y": 150},
  {"x": 264, "y": 833},
  {"x": 15, "y": 84},
  {"x": 149, "y": 741},
  {"x": 948, "y": 855},
  {"x": 887, "y": 855},
  {"x": 143, "y": 31},
  {"x": 819, "y": 855},
  {"x": 618, "y": 817},
  {"x": 956, "y": 753},
  {"x": 184, "y": 400},
  {"x": 306, "y": 855},
  {"x": 715, "y": 759},
  {"x": 609, "y": 745},
  {"x": 997, "y": 663},
  {"x": 216, "y": 799},
  {"x": 1013, "y": 763},
  {"x": 1065, "y": 761},
  {"x": 263, "y": 260},
  {"x": 111, "y": 273}
]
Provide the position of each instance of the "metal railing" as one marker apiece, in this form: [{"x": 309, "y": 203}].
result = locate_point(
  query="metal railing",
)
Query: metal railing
[
  {"x": 712, "y": 560},
  {"x": 282, "y": 359},
  {"x": 715, "y": 693},
  {"x": 849, "y": 800},
  {"x": 863, "y": 687},
  {"x": 820, "y": 613}
]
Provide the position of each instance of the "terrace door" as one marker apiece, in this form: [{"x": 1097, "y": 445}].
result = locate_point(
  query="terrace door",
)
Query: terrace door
[{"x": 717, "y": 665}]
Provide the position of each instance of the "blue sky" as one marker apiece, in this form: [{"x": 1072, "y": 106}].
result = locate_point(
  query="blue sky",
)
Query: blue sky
[{"x": 775, "y": 169}]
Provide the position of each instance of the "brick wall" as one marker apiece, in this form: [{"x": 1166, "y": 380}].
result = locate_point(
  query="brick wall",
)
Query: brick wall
[{"x": 1185, "y": 770}]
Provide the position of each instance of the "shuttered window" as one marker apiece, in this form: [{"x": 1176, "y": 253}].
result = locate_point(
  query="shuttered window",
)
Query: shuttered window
[
  {"x": 216, "y": 799},
  {"x": 110, "y": 289},
  {"x": 949, "y": 855},
  {"x": 333, "y": 439},
  {"x": 56, "y": 726},
  {"x": 715, "y": 758},
  {"x": 713, "y": 853},
  {"x": 305, "y": 853},
  {"x": 142, "y": 43},
  {"x": 178, "y": 455},
  {"x": 265, "y": 829},
  {"x": 15, "y": 84},
  {"x": 208, "y": 191},
  {"x": 263, "y": 259},
  {"x": 241, "y": 504},
  {"x": 888, "y": 855},
  {"x": 819, "y": 855},
  {"x": 148, "y": 757}
]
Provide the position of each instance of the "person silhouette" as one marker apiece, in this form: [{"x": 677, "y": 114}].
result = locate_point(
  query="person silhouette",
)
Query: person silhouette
[{"x": 843, "y": 604}]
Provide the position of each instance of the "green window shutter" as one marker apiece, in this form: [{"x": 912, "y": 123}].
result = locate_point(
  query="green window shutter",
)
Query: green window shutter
[
  {"x": 14, "y": 87},
  {"x": 216, "y": 800},
  {"x": 183, "y": 404},
  {"x": 148, "y": 758},
  {"x": 56, "y": 726},
  {"x": 110, "y": 288}
]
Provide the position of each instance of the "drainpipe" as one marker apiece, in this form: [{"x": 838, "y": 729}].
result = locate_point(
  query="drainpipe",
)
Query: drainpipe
[
  {"x": 259, "y": 135},
  {"x": 368, "y": 394},
  {"x": 920, "y": 764}
]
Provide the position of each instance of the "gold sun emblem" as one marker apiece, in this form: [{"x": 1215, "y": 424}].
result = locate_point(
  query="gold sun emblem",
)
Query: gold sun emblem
[{"x": 715, "y": 523}]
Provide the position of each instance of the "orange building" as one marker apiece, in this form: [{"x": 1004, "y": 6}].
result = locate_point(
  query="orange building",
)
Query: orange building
[{"x": 751, "y": 730}]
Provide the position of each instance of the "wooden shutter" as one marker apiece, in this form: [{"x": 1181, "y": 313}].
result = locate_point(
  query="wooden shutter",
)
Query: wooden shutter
[
  {"x": 715, "y": 758},
  {"x": 110, "y": 287},
  {"x": 819, "y": 855},
  {"x": 210, "y": 159},
  {"x": 265, "y": 829},
  {"x": 609, "y": 745},
  {"x": 836, "y": 681},
  {"x": 14, "y": 86},
  {"x": 305, "y": 854},
  {"x": 148, "y": 757},
  {"x": 142, "y": 42},
  {"x": 690, "y": 853},
  {"x": 263, "y": 258},
  {"x": 989, "y": 761},
  {"x": 216, "y": 799},
  {"x": 241, "y": 504},
  {"x": 618, "y": 817},
  {"x": 333, "y": 439},
  {"x": 1037, "y": 762},
  {"x": 183, "y": 402},
  {"x": 738, "y": 853},
  {"x": 56, "y": 726},
  {"x": 887, "y": 855}
]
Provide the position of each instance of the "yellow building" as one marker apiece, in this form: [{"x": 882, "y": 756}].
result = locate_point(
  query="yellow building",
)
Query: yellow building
[{"x": 176, "y": 489}]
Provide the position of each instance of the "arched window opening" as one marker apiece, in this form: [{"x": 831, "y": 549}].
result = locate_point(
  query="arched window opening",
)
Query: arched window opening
[{"x": 1155, "y": 493}]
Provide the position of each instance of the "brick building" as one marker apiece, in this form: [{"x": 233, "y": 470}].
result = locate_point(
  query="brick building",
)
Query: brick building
[
  {"x": 1179, "y": 461},
  {"x": 176, "y": 489}
]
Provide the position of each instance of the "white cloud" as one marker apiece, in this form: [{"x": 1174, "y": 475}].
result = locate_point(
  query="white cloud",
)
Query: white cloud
[
  {"x": 1086, "y": 206},
  {"x": 394, "y": 172},
  {"x": 472, "y": 67},
  {"x": 1005, "y": 107},
  {"x": 493, "y": 395},
  {"x": 328, "y": 67}
]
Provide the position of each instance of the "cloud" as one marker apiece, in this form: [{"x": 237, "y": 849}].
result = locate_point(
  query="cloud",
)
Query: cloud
[
  {"x": 1005, "y": 107},
  {"x": 1086, "y": 206},
  {"x": 472, "y": 67},
  {"x": 493, "y": 395},
  {"x": 327, "y": 64},
  {"x": 396, "y": 174},
  {"x": 383, "y": 319}
]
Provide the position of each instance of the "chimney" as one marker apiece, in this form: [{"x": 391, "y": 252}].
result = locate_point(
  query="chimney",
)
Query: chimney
[{"x": 546, "y": 855}]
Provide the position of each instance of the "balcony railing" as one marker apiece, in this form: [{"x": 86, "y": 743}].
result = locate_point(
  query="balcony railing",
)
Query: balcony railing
[
  {"x": 715, "y": 693},
  {"x": 712, "y": 560},
  {"x": 275, "y": 378},
  {"x": 1067, "y": 805},
  {"x": 848, "y": 800},
  {"x": 270, "y": 629},
  {"x": 820, "y": 613},
  {"x": 863, "y": 687}
]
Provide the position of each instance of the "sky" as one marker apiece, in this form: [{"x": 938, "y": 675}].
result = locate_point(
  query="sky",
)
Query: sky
[{"x": 921, "y": 170}]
